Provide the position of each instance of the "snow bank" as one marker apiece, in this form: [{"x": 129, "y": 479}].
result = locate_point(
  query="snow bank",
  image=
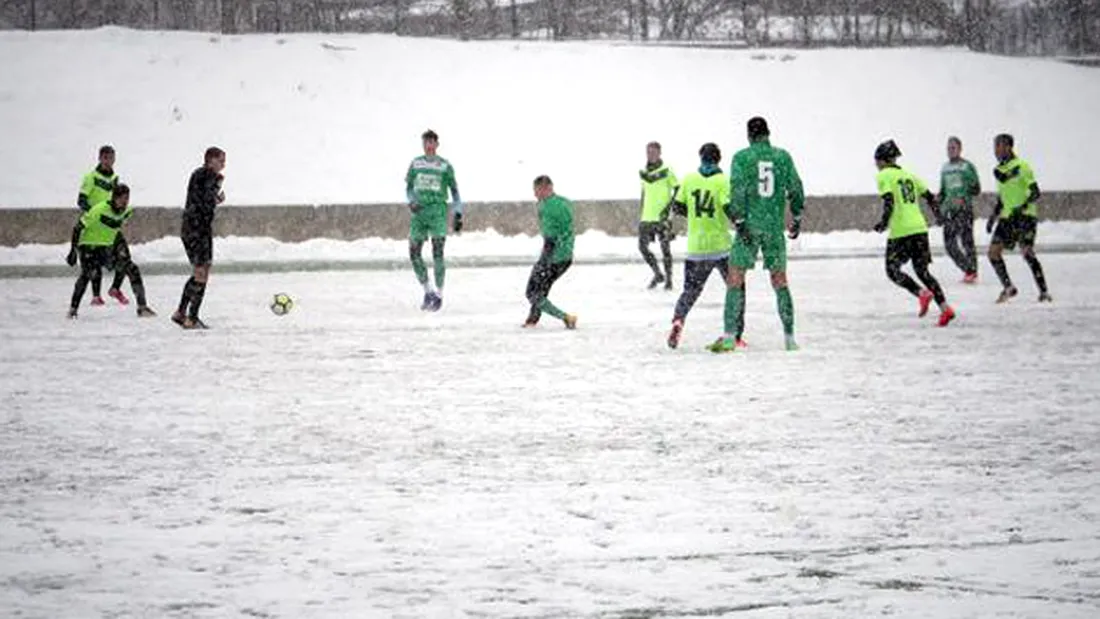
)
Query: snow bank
[
  {"x": 591, "y": 245},
  {"x": 335, "y": 118}
]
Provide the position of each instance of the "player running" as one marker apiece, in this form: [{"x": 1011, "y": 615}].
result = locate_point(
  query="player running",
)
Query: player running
[
  {"x": 94, "y": 242},
  {"x": 704, "y": 199},
  {"x": 426, "y": 185},
  {"x": 204, "y": 194},
  {"x": 556, "y": 224},
  {"x": 959, "y": 184},
  {"x": 1016, "y": 217},
  {"x": 901, "y": 192},
  {"x": 658, "y": 190},
  {"x": 96, "y": 188},
  {"x": 763, "y": 181}
]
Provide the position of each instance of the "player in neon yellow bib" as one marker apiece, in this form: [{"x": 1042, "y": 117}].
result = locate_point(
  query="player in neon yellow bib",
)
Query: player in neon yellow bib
[
  {"x": 901, "y": 191},
  {"x": 658, "y": 190},
  {"x": 94, "y": 241},
  {"x": 1016, "y": 217},
  {"x": 704, "y": 199}
]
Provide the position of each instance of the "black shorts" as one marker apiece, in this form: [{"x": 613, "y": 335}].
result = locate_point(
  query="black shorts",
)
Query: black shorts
[
  {"x": 913, "y": 247},
  {"x": 1017, "y": 229},
  {"x": 120, "y": 253},
  {"x": 95, "y": 257},
  {"x": 199, "y": 247},
  {"x": 649, "y": 231}
]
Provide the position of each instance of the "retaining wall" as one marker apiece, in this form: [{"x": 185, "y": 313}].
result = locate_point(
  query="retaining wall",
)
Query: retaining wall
[{"x": 354, "y": 221}]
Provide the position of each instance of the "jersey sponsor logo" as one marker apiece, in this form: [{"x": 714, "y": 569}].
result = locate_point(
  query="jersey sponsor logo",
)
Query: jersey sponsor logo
[
  {"x": 430, "y": 164},
  {"x": 428, "y": 182}
]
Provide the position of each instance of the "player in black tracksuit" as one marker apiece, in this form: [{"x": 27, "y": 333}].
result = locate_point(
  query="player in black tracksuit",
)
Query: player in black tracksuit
[{"x": 204, "y": 194}]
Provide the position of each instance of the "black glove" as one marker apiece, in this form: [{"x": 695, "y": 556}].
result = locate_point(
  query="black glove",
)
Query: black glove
[
  {"x": 458, "y": 223},
  {"x": 71, "y": 258},
  {"x": 414, "y": 207},
  {"x": 742, "y": 229},
  {"x": 796, "y": 228},
  {"x": 990, "y": 224},
  {"x": 880, "y": 227}
]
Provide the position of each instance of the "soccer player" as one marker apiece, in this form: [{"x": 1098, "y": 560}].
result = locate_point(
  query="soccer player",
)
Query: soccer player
[
  {"x": 1016, "y": 217},
  {"x": 658, "y": 189},
  {"x": 763, "y": 181},
  {"x": 204, "y": 194},
  {"x": 958, "y": 185},
  {"x": 556, "y": 224},
  {"x": 427, "y": 182},
  {"x": 901, "y": 191},
  {"x": 96, "y": 188},
  {"x": 94, "y": 242},
  {"x": 704, "y": 199}
]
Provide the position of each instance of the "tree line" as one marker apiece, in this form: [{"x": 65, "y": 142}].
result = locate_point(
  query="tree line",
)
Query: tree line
[{"x": 1003, "y": 26}]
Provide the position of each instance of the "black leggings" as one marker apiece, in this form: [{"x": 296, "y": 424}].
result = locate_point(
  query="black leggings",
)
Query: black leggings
[
  {"x": 912, "y": 248},
  {"x": 543, "y": 276},
  {"x": 696, "y": 274},
  {"x": 92, "y": 262},
  {"x": 958, "y": 239}
]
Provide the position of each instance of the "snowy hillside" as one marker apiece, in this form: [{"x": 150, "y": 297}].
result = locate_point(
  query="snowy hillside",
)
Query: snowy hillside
[{"x": 321, "y": 119}]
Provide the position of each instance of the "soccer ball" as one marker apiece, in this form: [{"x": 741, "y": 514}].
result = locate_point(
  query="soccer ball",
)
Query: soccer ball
[{"x": 281, "y": 304}]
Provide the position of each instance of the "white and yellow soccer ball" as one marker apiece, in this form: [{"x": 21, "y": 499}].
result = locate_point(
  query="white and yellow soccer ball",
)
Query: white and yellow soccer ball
[{"x": 281, "y": 304}]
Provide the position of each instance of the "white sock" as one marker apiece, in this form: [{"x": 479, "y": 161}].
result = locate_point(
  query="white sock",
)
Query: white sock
[
  {"x": 427, "y": 287},
  {"x": 440, "y": 293}
]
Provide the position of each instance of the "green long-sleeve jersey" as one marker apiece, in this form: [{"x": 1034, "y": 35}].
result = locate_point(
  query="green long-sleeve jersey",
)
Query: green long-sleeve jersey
[
  {"x": 763, "y": 180},
  {"x": 556, "y": 225},
  {"x": 959, "y": 184}
]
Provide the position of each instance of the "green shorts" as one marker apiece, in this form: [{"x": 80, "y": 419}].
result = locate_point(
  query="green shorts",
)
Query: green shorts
[
  {"x": 424, "y": 226},
  {"x": 772, "y": 245}
]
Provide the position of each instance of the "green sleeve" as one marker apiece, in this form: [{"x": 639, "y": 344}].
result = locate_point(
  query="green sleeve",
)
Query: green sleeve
[
  {"x": 86, "y": 185},
  {"x": 795, "y": 193},
  {"x": 943, "y": 184},
  {"x": 975, "y": 180},
  {"x": 740, "y": 181}
]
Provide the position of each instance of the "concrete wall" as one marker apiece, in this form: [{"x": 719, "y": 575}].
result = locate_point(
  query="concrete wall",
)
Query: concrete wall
[{"x": 354, "y": 221}]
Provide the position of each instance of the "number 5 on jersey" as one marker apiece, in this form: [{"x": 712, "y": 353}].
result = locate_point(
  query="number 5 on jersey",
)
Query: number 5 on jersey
[{"x": 765, "y": 186}]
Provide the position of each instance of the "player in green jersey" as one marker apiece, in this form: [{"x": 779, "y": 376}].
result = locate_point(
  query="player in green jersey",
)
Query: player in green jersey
[
  {"x": 959, "y": 184},
  {"x": 901, "y": 191},
  {"x": 763, "y": 181},
  {"x": 95, "y": 188},
  {"x": 704, "y": 199},
  {"x": 1016, "y": 217},
  {"x": 427, "y": 182},
  {"x": 658, "y": 190},
  {"x": 556, "y": 225},
  {"x": 94, "y": 243}
]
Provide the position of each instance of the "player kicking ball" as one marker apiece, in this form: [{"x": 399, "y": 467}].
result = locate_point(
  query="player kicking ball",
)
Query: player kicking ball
[
  {"x": 556, "y": 225},
  {"x": 901, "y": 191}
]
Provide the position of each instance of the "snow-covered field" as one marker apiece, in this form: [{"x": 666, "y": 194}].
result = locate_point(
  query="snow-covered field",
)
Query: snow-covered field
[
  {"x": 333, "y": 119},
  {"x": 592, "y": 245},
  {"x": 360, "y": 459}
]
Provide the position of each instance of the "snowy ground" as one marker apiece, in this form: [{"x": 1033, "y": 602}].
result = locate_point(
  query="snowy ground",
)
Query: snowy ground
[
  {"x": 312, "y": 118},
  {"x": 360, "y": 459}
]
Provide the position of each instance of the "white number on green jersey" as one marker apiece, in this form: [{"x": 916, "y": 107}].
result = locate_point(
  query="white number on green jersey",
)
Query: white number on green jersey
[
  {"x": 428, "y": 182},
  {"x": 704, "y": 203},
  {"x": 766, "y": 175}
]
